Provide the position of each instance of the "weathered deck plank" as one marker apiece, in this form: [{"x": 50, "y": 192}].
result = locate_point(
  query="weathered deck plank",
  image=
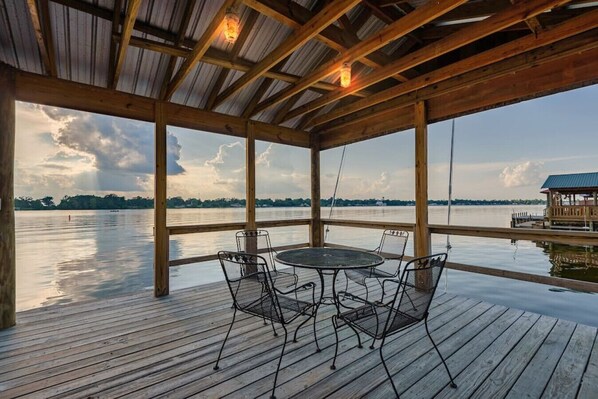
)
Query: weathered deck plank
[{"x": 140, "y": 347}]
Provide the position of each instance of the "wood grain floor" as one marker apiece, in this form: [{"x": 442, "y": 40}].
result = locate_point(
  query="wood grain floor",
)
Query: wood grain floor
[{"x": 137, "y": 346}]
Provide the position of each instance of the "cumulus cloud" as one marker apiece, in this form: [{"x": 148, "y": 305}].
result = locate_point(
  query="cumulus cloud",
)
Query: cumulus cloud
[
  {"x": 525, "y": 174},
  {"x": 228, "y": 168},
  {"x": 114, "y": 144}
]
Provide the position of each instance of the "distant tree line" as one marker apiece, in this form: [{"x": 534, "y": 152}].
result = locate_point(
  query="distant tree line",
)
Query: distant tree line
[{"x": 113, "y": 201}]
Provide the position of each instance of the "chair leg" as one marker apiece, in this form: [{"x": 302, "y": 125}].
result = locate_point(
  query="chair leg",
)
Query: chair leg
[
  {"x": 358, "y": 336},
  {"x": 453, "y": 385},
  {"x": 274, "y": 329},
  {"x": 346, "y": 287},
  {"x": 373, "y": 342},
  {"x": 298, "y": 327},
  {"x": 394, "y": 388},
  {"x": 225, "y": 338},
  {"x": 333, "y": 365},
  {"x": 286, "y": 334}
]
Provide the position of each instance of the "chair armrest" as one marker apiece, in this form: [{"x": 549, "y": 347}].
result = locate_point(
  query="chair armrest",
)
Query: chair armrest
[
  {"x": 305, "y": 286},
  {"x": 353, "y": 297}
]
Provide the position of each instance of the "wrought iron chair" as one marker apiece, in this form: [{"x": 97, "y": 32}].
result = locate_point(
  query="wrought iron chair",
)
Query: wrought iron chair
[
  {"x": 408, "y": 306},
  {"x": 392, "y": 249},
  {"x": 252, "y": 288},
  {"x": 258, "y": 242}
]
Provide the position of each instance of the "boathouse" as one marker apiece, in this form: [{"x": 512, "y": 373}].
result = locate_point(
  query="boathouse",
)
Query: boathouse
[
  {"x": 317, "y": 75},
  {"x": 572, "y": 201}
]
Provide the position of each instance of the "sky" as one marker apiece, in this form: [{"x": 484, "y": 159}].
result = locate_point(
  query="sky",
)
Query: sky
[{"x": 505, "y": 153}]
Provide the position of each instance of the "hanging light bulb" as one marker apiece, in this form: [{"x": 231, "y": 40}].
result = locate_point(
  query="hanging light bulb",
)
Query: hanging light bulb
[
  {"x": 231, "y": 25},
  {"x": 346, "y": 74}
]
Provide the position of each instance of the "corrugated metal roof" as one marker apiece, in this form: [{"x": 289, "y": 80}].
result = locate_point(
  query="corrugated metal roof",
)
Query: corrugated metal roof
[
  {"x": 82, "y": 41},
  {"x": 573, "y": 180}
]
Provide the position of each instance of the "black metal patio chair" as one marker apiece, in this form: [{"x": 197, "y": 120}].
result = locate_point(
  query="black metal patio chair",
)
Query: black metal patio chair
[
  {"x": 408, "y": 306},
  {"x": 392, "y": 249},
  {"x": 258, "y": 242},
  {"x": 252, "y": 289}
]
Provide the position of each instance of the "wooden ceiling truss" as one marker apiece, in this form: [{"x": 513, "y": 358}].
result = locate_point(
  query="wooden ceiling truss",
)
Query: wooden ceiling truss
[{"x": 460, "y": 56}]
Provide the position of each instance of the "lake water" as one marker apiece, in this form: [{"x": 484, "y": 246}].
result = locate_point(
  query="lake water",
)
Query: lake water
[{"x": 70, "y": 256}]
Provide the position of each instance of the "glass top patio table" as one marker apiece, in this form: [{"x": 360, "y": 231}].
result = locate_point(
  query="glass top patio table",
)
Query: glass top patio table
[{"x": 329, "y": 258}]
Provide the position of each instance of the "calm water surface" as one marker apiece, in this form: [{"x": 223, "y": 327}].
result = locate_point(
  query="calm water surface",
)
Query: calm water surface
[{"x": 70, "y": 256}]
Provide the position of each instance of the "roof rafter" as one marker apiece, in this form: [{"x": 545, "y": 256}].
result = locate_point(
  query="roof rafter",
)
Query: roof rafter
[
  {"x": 533, "y": 23},
  {"x": 43, "y": 34},
  {"x": 234, "y": 53},
  {"x": 125, "y": 37},
  {"x": 116, "y": 15},
  {"x": 469, "y": 34},
  {"x": 391, "y": 32},
  {"x": 475, "y": 69},
  {"x": 300, "y": 36},
  {"x": 180, "y": 37},
  {"x": 199, "y": 49}
]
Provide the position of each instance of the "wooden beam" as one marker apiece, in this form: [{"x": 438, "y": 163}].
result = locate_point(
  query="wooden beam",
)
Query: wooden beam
[
  {"x": 533, "y": 41},
  {"x": 234, "y": 53},
  {"x": 62, "y": 93},
  {"x": 199, "y": 49},
  {"x": 180, "y": 38},
  {"x": 422, "y": 234},
  {"x": 116, "y": 15},
  {"x": 533, "y": 23},
  {"x": 7, "y": 211},
  {"x": 250, "y": 177},
  {"x": 299, "y": 37},
  {"x": 316, "y": 237},
  {"x": 127, "y": 31},
  {"x": 43, "y": 34},
  {"x": 574, "y": 71},
  {"x": 374, "y": 42},
  {"x": 161, "y": 241},
  {"x": 460, "y": 38}
]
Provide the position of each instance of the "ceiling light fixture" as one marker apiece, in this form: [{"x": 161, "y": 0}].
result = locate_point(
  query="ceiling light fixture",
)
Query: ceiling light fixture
[
  {"x": 346, "y": 74},
  {"x": 231, "y": 25}
]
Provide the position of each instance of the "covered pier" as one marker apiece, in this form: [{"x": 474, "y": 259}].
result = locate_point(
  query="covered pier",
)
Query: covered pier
[
  {"x": 137, "y": 346},
  {"x": 276, "y": 77}
]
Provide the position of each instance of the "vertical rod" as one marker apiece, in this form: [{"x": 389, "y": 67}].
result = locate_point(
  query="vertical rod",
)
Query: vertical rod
[
  {"x": 7, "y": 212},
  {"x": 161, "y": 256},
  {"x": 450, "y": 186},
  {"x": 316, "y": 233},
  {"x": 250, "y": 177},
  {"x": 422, "y": 235}
]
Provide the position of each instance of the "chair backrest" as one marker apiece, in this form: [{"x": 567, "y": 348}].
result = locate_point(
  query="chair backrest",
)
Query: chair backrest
[
  {"x": 250, "y": 284},
  {"x": 256, "y": 242},
  {"x": 416, "y": 289},
  {"x": 393, "y": 244}
]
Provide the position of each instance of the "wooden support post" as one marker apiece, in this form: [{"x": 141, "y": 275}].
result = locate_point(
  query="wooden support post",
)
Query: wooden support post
[
  {"x": 7, "y": 212},
  {"x": 316, "y": 236},
  {"x": 422, "y": 235},
  {"x": 250, "y": 177},
  {"x": 161, "y": 241}
]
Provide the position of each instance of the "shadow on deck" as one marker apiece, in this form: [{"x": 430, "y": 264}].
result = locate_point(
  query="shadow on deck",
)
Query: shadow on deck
[{"x": 138, "y": 346}]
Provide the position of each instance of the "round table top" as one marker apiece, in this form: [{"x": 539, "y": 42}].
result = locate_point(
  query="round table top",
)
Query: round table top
[{"x": 329, "y": 258}]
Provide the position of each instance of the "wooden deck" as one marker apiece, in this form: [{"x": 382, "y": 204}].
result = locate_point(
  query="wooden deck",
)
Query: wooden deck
[{"x": 137, "y": 346}]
